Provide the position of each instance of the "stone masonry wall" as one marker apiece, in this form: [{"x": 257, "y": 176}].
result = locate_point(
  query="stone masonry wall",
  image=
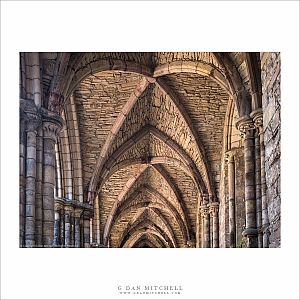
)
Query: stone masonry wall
[{"x": 271, "y": 102}]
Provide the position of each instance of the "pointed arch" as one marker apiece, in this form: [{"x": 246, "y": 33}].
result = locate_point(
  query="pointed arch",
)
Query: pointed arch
[
  {"x": 166, "y": 140},
  {"x": 196, "y": 67},
  {"x": 150, "y": 240},
  {"x": 144, "y": 243},
  {"x": 166, "y": 177},
  {"x": 78, "y": 73},
  {"x": 124, "y": 203},
  {"x": 149, "y": 224},
  {"x": 138, "y": 234},
  {"x": 159, "y": 168},
  {"x": 156, "y": 160},
  {"x": 143, "y": 214}
]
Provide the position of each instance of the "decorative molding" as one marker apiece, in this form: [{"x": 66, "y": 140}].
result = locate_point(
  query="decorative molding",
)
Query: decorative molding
[
  {"x": 257, "y": 116},
  {"x": 52, "y": 124},
  {"x": 204, "y": 210},
  {"x": 246, "y": 126},
  {"x": 214, "y": 208}
]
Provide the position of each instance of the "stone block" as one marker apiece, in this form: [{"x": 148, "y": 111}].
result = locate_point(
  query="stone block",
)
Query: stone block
[
  {"x": 48, "y": 215},
  {"x": 30, "y": 168},
  {"x": 30, "y": 211}
]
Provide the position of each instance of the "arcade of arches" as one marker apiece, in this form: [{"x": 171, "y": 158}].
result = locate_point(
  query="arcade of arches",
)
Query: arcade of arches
[{"x": 152, "y": 150}]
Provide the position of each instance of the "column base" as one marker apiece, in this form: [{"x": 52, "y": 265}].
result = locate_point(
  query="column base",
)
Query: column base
[{"x": 251, "y": 235}]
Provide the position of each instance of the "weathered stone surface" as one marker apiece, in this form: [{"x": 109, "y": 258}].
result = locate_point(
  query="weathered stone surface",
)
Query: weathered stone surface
[
  {"x": 99, "y": 99},
  {"x": 142, "y": 152},
  {"x": 271, "y": 102}
]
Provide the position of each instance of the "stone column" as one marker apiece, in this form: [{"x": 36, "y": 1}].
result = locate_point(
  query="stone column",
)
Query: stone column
[
  {"x": 214, "y": 211},
  {"x": 257, "y": 116},
  {"x": 86, "y": 228},
  {"x": 94, "y": 227},
  {"x": 68, "y": 214},
  {"x": 62, "y": 226},
  {"x": 52, "y": 124},
  {"x": 81, "y": 232},
  {"x": 33, "y": 122},
  {"x": 22, "y": 179},
  {"x": 78, "y": 212},
  {"x": 246, "y": 127},
  {"x": 231, "y": 196},
  {"x": 72, "y": 229},
  {"x": 258, "y": 186},
  {"x": 199, "y": 225},
  {"x": 57, "y": 218},
  {"x": 38, "y": 188},
  {"x": 206, "y": 228}
]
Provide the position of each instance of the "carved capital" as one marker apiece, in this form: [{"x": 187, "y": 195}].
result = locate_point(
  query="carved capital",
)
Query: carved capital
[
  {"x": 229, "y": 156},
  {"x": 52, "y": 124},
  {"x": 87, "y": 214},
  {"x": 58, "y": 206},
  {"x": 78, "y": 212},
  {"x": 214, "y": 209},
  {"x": 246, "y": 127},
  {"x": 204, "y": 211},
  {"x": 69, "y": 210},
  {"x": 257, "y": 116}
]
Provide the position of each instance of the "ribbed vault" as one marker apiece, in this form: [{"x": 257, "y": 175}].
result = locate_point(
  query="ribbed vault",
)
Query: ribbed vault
[
  {"x": 148, "y": 132},
  {"x": 148, "y": 149}
]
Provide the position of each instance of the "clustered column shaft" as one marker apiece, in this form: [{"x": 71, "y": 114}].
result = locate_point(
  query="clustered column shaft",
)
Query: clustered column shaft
[
  {"x": 205, "y": 223},
  {"x": 258, "y": 189},
  {"x": 68, "y": 223},
  {"x": 214, "y": 211},
  {"x": 77, "y": 227},
  {"x": 246, "y": 126},
  {"x": 86, "y": 228},
  {"x": 45, "y": 221},
  {"x": 231, "y": 200},
  {"x": 68, "y": 214},
  {"x": 56, "y": 241},
  {"x": 39, "y": 186},
  {"x": 257, "y": 116},
  {"x": 62, "y": 226},
  {"x": 22, "y": 179},
  {"x": 51, "y": 127},
  {"x": 32, "y": 125}
]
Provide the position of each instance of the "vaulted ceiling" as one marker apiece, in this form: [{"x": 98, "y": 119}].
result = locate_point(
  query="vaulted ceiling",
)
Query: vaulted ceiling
[{"x": 150, "y": 127}]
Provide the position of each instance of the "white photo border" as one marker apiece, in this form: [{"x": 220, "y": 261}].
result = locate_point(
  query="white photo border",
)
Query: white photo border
[{"x": 121, "y": 26}]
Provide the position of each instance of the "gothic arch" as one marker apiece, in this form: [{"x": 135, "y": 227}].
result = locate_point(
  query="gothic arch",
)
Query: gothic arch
[
  {"x": 147, "y": 223},
  {"x": 125, "y": 203},
  {"x": 156, "y": 132},
  {"x": 165, "y": 139},
  {"x": 138, "y": 234}
]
